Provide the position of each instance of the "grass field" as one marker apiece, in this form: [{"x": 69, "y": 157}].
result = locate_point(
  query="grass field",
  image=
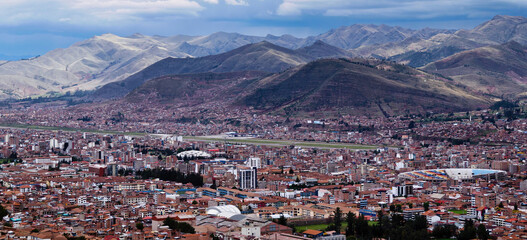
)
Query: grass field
[
  {"x": 252, "y": 141},
  {"x": 284, "y": 143},
  {"x": 457, "y": 211}
]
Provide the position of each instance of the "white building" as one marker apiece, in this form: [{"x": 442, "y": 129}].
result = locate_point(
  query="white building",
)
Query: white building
[
  {"x": 254, "y": 162},
  {"x": 248, "y": 178}
]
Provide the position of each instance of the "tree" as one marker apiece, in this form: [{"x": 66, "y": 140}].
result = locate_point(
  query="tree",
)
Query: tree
[
  {"x": 399, "y": 208},
  {"x": 392, "y": 208},
  {"x": 350, "y": 219},
  {"x": 420, "y": 222},
  {"x": 362, "y": 228},
  {"x": 186, "y": 228},
  {"x": 171, "y": 223},
  {"x": 482, "y": 232},
  {"x": 501, "y": 205},
  {"x": 444, "y": 231},
  {"x": 140, "y": 226},
  {"x": 411, "y": 125},
  {"x": 178, "y": 226},
  {"x": 338, "y": 220},
  {"x": 291, "y": 171},
  {"x": 426, "y": 206},
  {"x": 3, "y": 212},
  {"x": 282, "y": 220},
  {"x": 468, "y": 232}
]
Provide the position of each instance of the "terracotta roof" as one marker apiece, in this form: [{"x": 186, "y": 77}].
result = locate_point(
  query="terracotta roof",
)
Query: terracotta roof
[{"x": 312, "y": 232}]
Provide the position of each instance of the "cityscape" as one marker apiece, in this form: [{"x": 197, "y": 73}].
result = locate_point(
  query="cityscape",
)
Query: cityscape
[{"x": 328, "y": 124}]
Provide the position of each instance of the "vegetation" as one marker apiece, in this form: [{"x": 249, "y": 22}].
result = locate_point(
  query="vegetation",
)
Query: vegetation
[
  {"x": 503, "y": 104},
  {"x": 3, "y": 212},
  {"x": 444, "y": 231},
  {"x": 178, "y": 226},
  {"x": 458, "y": 211},
  {"x": 139, "y": 226},
  {"x": 171, "y": 175},
  {"x": 284, "y": 143},
  {"x": 338, "y": 220}
]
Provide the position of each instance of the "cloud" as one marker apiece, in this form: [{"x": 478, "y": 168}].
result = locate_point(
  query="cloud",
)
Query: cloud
[
  {"x": 237, "y": 2},
  {"x": 126, "y": 8},
  {"x": 420, "y": 9},
  {"x": 93, "y": 11},
  {"x": 212, "y": 1}
]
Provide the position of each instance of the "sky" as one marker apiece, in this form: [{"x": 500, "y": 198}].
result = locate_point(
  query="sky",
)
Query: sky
[{"x": 33, "y": 27}]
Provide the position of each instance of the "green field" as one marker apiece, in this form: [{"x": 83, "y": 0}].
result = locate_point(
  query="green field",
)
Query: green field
[
  {"x": 457, "y": 211},
  {"x": 284, "y": 143},
  {"x": 251, "y": 141}
]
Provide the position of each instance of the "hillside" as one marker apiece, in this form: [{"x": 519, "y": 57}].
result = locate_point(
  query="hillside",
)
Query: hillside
[
  {"x": 194, "y": 89},
  {"x": 95, "y": 62},
  {"x": 263, "y": 56},
  {"x": 332, "y": 86},
  {"x": 320, "y": 49},
  {"x": 497, "y": 70},
  {"x": 418, "y": 52},
  {"x": 361, "y": 35}
]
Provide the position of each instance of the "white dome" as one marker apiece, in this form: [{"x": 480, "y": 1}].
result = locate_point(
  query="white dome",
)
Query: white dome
[
  {"x": 193, "y": 153},
  {"x": 226, "y": 211}
]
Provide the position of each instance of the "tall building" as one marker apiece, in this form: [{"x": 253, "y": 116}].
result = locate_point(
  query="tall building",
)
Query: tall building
[
  {"x": 253, "y": 162},
  {"x": 248, "y": 178}
]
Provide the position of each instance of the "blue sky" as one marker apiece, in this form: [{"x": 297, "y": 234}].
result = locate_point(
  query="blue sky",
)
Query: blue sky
[{"x": 34, "y": 27}]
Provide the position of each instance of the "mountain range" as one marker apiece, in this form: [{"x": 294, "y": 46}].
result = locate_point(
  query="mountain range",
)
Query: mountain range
[
  {"x": 325, "y": 87},
  {"x": 499, "y": 70},
  {"x": 263, "y": 57},
  {"x": 358, "y": 69},
  {"x": 95, "y": 62},
  {"x": 357, "y": 86}
]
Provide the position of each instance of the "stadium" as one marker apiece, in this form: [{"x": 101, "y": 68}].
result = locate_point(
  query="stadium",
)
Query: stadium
[{"x": 463, "y": 174}]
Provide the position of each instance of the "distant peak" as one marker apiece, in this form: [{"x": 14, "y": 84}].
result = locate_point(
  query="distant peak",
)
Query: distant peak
[
  {"x": 106, "y": 36},
  {"x": 507, "y": 17}
]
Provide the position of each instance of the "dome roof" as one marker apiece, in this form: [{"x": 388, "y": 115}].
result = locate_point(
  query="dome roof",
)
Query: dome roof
[{"x": 226, "y": 211}]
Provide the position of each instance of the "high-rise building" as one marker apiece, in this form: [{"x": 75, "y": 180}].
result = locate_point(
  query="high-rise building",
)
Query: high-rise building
[
  {"x": 248, "y": 178},
  {"x": 253, "y": 162}
]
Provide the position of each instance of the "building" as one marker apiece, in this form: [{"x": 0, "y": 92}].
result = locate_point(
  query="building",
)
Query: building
[{"x": 247, "y": 178}]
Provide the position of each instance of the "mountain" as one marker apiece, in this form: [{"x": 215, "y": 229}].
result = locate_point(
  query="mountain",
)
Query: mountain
[
  {"x": 84, "y": 65},
  {"x": 359, "y": 35},
  {"x": 92, "y": 63},
  {"x": 221, "y": 42},
  {"x": 262, "y": 56},
  {"x": 357, "y": 86},
  {"x": 194, "y": 89},
  {"x": 320, "y": 49},
  {"x": 500, "y": 29},
  {"x": 418, "y": 52},
  {"x": 497, "y": 69}
]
